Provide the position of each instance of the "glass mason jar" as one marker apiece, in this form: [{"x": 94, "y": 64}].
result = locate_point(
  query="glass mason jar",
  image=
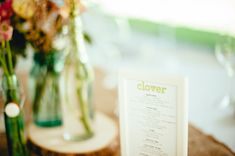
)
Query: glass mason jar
[
  {"x": 13, "y": 116},
  {"x": 77, "y": 85},
  {"x": 45, "y": 89}
]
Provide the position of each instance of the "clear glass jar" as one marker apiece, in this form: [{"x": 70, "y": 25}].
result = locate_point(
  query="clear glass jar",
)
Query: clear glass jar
[
  {"x": 76, "y": 82},
  {"x": 45, "y": 89}
]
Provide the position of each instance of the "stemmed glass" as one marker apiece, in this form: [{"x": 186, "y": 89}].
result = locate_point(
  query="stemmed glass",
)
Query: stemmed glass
[{"x": 225, "y": 54}]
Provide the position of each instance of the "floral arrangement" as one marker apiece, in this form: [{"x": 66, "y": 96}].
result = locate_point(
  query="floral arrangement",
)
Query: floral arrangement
[
  {"x": 36, "y": 22},
  {"x": 14, "y": 124},
  {"x": 23, "y": 21},
  {"x": 6, "y": 31},
  {"x": 40, "y": 23}
]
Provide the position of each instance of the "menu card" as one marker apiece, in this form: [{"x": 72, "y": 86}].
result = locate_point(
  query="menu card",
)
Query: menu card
[{"x": 153, "y": 114}]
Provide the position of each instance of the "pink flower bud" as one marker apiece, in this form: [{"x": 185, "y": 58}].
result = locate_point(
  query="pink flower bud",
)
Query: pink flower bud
[{"x": 5, "y": 31}]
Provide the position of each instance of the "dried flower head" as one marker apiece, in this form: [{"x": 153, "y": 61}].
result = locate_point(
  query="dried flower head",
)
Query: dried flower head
[
  {"x": 24, "y": 8},
  {"x": 41, "y": 26}
]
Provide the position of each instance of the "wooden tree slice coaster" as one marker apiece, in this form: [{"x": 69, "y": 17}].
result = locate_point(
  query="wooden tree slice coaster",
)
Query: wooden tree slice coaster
[{"x": 49, "y": 141}]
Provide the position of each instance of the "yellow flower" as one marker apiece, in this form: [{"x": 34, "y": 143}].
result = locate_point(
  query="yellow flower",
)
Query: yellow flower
[{"x": 24, "y": 8}]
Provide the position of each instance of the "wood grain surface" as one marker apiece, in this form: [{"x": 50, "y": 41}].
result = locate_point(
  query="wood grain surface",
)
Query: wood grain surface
[{"x": 49, "y": 141}]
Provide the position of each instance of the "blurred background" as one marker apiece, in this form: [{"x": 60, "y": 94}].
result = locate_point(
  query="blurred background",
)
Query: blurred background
[{"x": 183, "y": 37}]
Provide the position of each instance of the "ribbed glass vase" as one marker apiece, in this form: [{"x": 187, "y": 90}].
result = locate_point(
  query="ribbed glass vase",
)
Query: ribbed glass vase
[{"x": 13, "y": 116}]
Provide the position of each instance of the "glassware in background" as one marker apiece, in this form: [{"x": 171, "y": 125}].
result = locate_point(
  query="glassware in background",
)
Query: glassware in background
[
  {"x": 76, "y": 86},
  {"x": 45, "y": 89},
  {"x": 225, "y": 54}
]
